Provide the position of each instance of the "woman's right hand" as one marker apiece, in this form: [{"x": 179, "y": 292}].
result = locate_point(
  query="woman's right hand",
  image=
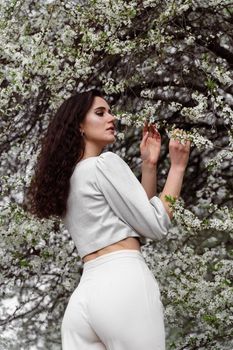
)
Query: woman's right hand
[{"x": 178, "y": 152}]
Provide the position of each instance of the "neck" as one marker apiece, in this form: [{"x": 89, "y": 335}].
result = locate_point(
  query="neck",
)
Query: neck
[{"x": 92, "y": 151}]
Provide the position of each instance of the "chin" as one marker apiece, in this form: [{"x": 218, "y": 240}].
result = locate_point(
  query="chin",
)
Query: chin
[{"x": 112, "y": 141}]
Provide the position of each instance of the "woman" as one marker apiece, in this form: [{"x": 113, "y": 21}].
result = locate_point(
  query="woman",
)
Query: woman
[{"x": 109, "y": 215}]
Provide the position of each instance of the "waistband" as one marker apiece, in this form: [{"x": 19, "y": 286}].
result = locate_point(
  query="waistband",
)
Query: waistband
[{"x": 132, "y": 253}]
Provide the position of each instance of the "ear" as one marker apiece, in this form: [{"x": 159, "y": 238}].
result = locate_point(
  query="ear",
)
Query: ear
[{"x": 81, "y": 126}]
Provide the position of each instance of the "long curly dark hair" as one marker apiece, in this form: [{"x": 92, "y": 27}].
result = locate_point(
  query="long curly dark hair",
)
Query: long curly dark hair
[{"x": 61, "y": 149}]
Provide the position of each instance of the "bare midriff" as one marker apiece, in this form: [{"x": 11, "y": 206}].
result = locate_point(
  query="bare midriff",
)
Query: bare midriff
[{"x": 127, "y": 243}]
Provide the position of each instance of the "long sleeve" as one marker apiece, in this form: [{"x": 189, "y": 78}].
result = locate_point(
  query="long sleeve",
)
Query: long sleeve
[{"x": 128, "y": 199}]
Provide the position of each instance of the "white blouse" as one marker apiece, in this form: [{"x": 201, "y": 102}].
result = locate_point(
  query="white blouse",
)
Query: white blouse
[{"x": 107, "y": 203}]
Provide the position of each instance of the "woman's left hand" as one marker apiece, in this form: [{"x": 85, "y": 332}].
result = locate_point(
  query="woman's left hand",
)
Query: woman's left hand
[{"x": 150, "y": 145}]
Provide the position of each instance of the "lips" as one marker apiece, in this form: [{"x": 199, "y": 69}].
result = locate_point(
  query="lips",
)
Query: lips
[{"x": 111, "y": 128}]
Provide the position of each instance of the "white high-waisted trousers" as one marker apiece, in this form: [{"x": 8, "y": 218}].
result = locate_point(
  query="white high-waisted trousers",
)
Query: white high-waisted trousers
[{"x": 116, "y": 306}]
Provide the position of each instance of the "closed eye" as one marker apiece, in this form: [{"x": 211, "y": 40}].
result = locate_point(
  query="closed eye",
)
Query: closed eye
[{"x": 101, "y": 110}]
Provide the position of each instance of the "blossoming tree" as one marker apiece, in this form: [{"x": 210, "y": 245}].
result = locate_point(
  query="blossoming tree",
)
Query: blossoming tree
[{"x": 167, "y": 61}]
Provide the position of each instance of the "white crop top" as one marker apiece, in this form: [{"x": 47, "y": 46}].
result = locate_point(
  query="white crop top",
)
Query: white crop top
[{"x": 107, "y": 203}]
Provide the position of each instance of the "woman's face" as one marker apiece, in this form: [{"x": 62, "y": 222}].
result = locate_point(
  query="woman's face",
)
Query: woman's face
[{"x": 97, "y": 123}]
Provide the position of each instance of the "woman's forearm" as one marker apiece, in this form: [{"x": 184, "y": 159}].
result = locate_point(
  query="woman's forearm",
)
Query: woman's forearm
[
  {"x": 172, "y": 187},
  {"x": 149, "y": 179}
]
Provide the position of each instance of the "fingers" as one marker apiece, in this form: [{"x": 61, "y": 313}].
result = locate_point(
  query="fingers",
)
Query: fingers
[
  {"x": 152, "y": 129},
  {"x": 155, "y": 130},
  {"x": 181, "y": 137},
  {"x": 145, "y": 128},
  {"x": 145, "y": 136}
]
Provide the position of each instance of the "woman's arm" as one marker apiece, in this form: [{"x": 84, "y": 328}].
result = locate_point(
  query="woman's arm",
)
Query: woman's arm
[
  {"x": 149, "y": 179},
  {"x": 127, "y": 198},
  {"x": 172, "y": 187},
  {"x": 150, "y": 150},
  {"x": 179, "y": 155}
]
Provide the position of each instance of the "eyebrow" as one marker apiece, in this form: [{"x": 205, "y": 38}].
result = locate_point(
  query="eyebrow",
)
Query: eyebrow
[{"x": 102, "y": 107}]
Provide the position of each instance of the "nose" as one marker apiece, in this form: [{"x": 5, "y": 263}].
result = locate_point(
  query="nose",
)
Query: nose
[
  {"x": 112, "y": 117},
  {"x": 113, "y": 120}
]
